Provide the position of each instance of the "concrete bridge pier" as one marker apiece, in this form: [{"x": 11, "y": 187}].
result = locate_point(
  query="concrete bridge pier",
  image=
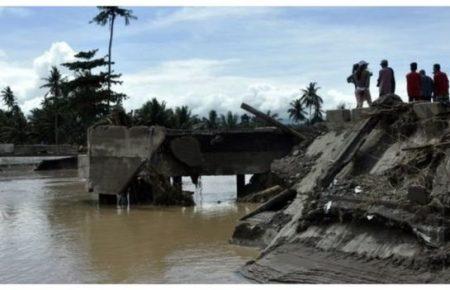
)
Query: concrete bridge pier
[{"x": 240, "y": 183}]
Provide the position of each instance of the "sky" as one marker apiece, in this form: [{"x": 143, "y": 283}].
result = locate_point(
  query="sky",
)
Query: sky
[{"x": 218, "y": 57}]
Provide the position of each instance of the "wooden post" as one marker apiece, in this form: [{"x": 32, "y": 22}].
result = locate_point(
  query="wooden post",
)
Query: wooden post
[
  {"x": 272, "y": 121},
  {"x": 240, "y": 183},
  {"x": 177, "y": 182}
]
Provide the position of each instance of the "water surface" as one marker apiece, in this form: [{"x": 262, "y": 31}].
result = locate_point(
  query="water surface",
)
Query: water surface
[{"x": 52, "y": 231}]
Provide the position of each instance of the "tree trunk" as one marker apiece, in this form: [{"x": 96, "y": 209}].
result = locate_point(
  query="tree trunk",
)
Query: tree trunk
[
  {"x": 310, "y": 118},
  {"x": 111, "y": 30}
]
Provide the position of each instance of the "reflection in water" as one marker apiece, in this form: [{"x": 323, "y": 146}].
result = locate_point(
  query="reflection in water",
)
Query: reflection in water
[{"x": 52, "y": 231}]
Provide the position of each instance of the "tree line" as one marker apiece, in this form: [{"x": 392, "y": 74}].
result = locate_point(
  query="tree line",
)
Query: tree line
[{"x": 85, "y": 97}]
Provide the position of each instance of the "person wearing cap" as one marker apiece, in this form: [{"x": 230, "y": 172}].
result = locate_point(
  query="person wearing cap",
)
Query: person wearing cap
[
  {"x": 413, "y": 80},
  {"x": 361, "y": 78},
  {"x": 386, "y": 79},
  {"x": 426, "y": 86},
  {"x": 440, "y": 84}
]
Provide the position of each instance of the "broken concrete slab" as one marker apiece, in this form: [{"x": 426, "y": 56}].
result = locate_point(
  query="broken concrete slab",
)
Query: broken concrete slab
[
  {"x": 389, "y": 218},
  {"x": 116, "y": 152},
  {"x": 338, "y": 116},
  {"x": 187, "y": 150},
  {"x": 360, "y": 113},
  {"x": 428, "y": 110}
]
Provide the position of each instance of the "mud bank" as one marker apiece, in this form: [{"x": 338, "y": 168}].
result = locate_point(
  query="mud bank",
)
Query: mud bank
[{"x": 370, "y": 203}]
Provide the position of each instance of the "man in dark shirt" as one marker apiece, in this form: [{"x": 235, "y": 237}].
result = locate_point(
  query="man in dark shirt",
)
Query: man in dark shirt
[
  {"x": 426, "y": 86},
  {"x": 386, "y": 79}
]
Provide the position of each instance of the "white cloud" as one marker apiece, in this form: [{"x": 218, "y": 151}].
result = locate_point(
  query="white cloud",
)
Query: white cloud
[
  {"x": 336, "y": 97},
  {"x": 25, "y": 80},
  {"x": 2, "y": 54},
  {"x": 203, "y": 85},
  {"x": 191, "y": 14},
  {"x": 58, "y": 53},
  {"x": 15, "y": 11}
]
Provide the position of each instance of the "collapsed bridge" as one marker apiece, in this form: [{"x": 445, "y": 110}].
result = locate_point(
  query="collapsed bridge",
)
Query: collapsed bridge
[{"x": 116, "y": 154}]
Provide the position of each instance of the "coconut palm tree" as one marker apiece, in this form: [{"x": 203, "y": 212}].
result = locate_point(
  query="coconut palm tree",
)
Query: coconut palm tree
[
  {"x": 310, "y": 99},
  {"x": 296, "y": 111},
  {"x": 108, "y": 15},
  {"x": 183, "y": 118},
  {"x": 8, "y": 98},
  {"x": 14, "y": 128},
  {"x": 54, "y": 83},
  {"x": 154, "y": 113},
  {"x": 212, "y": 122},
  {"x": 229, "y": 121},
  {"x": 245, "y": 121}
]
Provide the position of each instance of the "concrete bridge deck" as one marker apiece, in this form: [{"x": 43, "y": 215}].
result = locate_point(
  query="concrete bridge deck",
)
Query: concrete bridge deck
[{"x": 115, "y": 153}]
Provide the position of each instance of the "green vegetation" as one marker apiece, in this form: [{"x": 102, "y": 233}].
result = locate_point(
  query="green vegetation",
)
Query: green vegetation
[{"x": 312, "y": 101}]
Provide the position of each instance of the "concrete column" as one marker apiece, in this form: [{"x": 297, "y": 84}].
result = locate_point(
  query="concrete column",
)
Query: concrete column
[
  {"x": 240, "y": 183},
  {"x": 177, "y": 182}
]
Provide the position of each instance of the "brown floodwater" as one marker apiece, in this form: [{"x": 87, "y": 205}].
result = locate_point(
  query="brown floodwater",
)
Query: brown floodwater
[{"x": 52, "y": 231}]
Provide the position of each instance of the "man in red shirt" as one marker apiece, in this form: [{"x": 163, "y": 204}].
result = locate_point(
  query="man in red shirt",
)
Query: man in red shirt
[
  {"x": 440, "y": 84},
  {"x": 413, "y": 80}
]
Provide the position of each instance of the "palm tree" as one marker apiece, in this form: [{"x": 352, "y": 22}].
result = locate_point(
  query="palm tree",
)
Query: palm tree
[
  {"x": 108, "y": 15},
  {"x": 183, "y": 118},
  {"x": 310, "y": 99},
  {"x": 212, "y": 122},
  {"x": 54, "y": 83},
  {"x": 245, "y": 121},
  {"x": 14, "y": 128},
  {"x": 154, "y": 113},
  {"x": 8, "y": 98},
  {"x": 230, "y": 120},
  {"x": 296, "y": 111}
]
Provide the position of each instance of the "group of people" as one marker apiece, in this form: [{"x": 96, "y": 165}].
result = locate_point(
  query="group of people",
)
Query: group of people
[{"x": 419, "y": 85}]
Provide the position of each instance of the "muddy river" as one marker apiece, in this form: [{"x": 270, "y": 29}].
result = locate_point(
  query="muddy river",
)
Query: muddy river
[{"x": 52, "y": 231}]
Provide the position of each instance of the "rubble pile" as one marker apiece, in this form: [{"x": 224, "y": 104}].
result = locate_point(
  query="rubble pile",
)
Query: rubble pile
[
  {"x": 371, "y": 204},
  {"x": 149, "y": 186}
]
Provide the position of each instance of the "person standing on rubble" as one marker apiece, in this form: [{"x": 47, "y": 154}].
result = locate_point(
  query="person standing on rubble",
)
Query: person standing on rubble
[
  {"x": 362, "y": 83},
  {"x": 386, "y": 79},
  {"x": 426, "y": 86},
  {"x": 440, "y": 84},
  {"x": 413, "y": 80}
]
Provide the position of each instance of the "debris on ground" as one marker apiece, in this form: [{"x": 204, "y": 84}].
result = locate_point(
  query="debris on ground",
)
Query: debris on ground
[
  {"x": 370, "y": 204},
  {"x": 151, "y": 187}
]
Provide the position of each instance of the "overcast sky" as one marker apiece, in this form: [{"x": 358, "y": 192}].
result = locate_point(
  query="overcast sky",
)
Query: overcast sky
[{"x": 215, "y": 58}]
